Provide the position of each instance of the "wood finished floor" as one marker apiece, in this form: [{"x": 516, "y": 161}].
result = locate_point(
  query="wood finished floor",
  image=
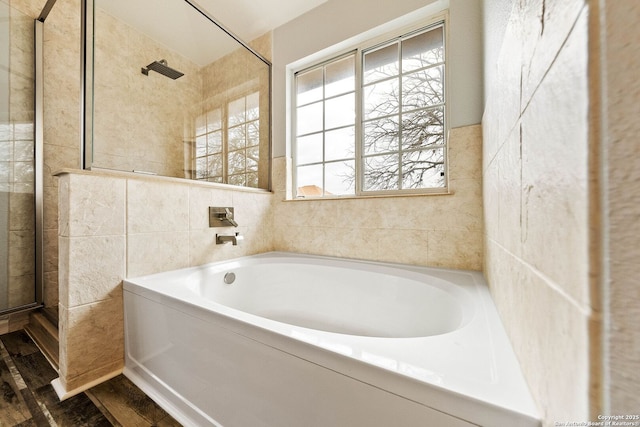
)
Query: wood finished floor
[{"x": 27, "y": 398}]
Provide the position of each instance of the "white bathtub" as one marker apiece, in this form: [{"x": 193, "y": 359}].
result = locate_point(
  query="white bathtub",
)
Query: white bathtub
[{"x": 313, "y": 341}]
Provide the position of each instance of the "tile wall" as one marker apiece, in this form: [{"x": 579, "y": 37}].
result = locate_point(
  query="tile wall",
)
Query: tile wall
[
  {"x": 537, "y": 203},
  {"x": 435, "y": 230},
  {"x": 115, "y": 225}
]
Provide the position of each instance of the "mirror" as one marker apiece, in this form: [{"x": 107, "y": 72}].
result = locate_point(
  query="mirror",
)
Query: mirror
[{"x": 170, "y": 92}]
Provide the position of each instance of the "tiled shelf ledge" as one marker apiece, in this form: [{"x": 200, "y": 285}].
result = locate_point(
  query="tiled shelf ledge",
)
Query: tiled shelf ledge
[{"x": 157, "y": 178}]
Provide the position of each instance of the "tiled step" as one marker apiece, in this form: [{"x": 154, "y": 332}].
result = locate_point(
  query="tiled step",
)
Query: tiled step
[{"x": 45, "y": 335}]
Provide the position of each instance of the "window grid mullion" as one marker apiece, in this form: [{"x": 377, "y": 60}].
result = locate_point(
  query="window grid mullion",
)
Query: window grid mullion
[
  {"x": 400, "y": 113},
  {"x": 324, "y": 128}
]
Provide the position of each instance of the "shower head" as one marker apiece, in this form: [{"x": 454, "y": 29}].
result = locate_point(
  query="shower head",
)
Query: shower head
[{"x": 162, "y": 68}]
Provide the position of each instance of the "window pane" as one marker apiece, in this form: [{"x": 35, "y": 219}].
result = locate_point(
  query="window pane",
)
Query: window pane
[
  {"x": 381, "y": 136},
  {"x": 309, "y": 149},
  {"x": 236, "y": 137},
  {"x": 214, "y": 120},
  {"x": 253, "y": 155},
  {"x": 423, "y": 169},
  {"x": 423, "y": 50},
  {"x": 340, "y": 178},
  {"x": 253, "y": 106},
  {"x": 237, "y": 180},
  {"x": 201, "y": 168},
  {"x": 237, "y": 112},
  {"x": 340, "y": 77},
  {"x": 381, "y": 99},
  {"x": 309, "y": 86},
  {"x": 236, "y": 162},
  {"x": 309, "y": 180},
  {"x": 201, "y": 125},
  {"x": 381, "y": 64},
  {"x": 424, "y": 88},
  {"x": 201, "y": 146},
  {"x": 214, "y": 142},
  {"x": 253, "y": 133},
  {"x": 215, "y": 165},
  {"x": 340, "y": 111},
  {"x": 309, "y": 118},
  {"x": 423, "y": 128},
  {"x": 340, "y": 144},
  {"x": 252, "y": 180},
  {"x": 381, "y": 173}
]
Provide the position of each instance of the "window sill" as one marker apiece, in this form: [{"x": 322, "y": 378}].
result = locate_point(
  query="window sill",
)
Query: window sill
[{"x": 372, "y": 196}]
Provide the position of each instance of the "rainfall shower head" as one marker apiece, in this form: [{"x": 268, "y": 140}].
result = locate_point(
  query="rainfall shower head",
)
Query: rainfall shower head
[{"x": 162, "y": 68}]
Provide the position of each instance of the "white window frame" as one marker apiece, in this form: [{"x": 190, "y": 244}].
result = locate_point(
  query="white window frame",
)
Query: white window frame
[{"x": 440, "y": 19}]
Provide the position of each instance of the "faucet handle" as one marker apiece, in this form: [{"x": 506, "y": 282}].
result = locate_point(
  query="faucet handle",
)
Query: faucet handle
[
  {"x": 228, "y": 215},
  {"x": 221, "y": 217}
]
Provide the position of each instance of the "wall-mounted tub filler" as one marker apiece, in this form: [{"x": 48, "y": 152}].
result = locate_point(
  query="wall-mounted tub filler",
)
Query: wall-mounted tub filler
[
  {"x": 221, "y": 217},
  {"x": 235, "y": 239}
]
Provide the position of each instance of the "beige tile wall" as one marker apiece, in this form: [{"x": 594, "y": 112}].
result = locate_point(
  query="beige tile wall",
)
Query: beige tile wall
[
  {"x": 536, "y": 203},
  {"x": 435, "y": 230},
  {"x": 117, "y": 225},
  {"x": 620, "y": 109}
]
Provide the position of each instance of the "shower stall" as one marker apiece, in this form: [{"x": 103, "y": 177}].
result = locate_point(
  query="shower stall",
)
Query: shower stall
[
  {"x": 21, "y": 160},
  {"x": 170, "y": 91}
]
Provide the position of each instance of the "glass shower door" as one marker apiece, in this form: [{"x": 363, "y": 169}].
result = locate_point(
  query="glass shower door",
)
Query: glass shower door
[{"x": 17, "y": 201}]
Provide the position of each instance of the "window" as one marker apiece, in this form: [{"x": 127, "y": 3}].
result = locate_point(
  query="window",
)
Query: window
[
  {"x": 377, "y": 130},
  {"x": 227, "y": 148}
]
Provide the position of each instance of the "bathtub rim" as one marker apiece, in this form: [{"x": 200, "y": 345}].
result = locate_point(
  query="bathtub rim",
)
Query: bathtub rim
[{"x": 505, "y": 397}]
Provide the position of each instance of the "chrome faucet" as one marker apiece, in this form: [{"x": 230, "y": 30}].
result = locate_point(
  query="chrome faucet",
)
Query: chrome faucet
[{"x": 235, "y": 239}]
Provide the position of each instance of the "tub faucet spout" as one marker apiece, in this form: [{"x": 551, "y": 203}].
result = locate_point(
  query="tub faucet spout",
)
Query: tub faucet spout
[{"x": 235, "y": 239}]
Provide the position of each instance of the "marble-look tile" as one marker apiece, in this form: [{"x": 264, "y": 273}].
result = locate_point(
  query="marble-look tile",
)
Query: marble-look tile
[
  {"x": 465, "y": 152},
  {"x": 507, "y": 195},
  {"x": 545, "y": 26},
  {"x": 157, "y": 207},
  {"x": 94, "y": 206},
  {"x": 554, "y": 170},
  {"x": 92, "y": 336},
  {"x": 404, "y": 247},
  {"x": 149, "y": 253},
  {"x": 200, "y": 199},
  {"x": 91, "y": 269},
  {"x": 455, "y": 249},
  {"x": 561, "y": 353}
]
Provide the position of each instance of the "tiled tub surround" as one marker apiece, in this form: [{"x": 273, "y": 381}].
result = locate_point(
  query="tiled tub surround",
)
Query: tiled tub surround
[
  {"x": 434, "y": 230},
  {"x": 116, "y": 225}
]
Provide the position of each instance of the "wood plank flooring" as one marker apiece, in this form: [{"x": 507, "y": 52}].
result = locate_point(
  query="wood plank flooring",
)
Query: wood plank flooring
[{"x": 27, "y": 398}]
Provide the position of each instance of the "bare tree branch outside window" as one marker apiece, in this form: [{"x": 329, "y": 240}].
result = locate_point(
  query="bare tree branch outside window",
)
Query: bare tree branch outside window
[{"x": 402, "y": 121}]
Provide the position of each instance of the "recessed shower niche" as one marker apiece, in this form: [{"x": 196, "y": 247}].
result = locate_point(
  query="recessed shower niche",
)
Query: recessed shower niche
[{"x": 171, "y": 92}]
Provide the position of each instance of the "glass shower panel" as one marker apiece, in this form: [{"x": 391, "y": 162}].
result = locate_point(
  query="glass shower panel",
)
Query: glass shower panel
[
  {"x": 17, "y": 203},
  {"x": 175, "y": 95}
]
